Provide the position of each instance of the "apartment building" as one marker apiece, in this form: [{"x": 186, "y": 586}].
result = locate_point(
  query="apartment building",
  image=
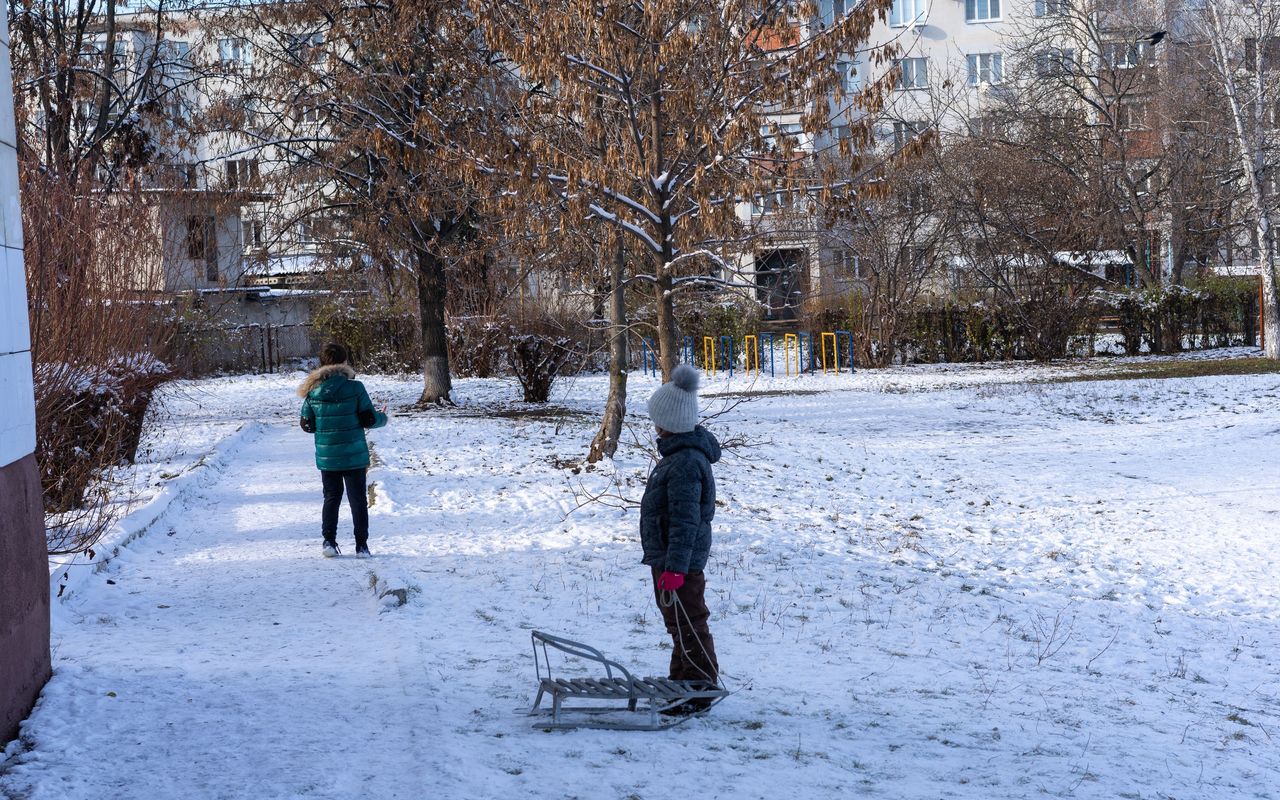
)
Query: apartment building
[
  {"x": 959, "y": 60},
  {"x": 221, "y": 229}
]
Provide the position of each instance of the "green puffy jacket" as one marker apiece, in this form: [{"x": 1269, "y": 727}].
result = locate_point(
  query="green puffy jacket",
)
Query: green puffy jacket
[{"x": 337, "y": 409}]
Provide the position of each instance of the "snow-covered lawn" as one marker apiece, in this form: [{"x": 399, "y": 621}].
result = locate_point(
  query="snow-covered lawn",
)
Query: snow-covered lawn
[{"x": 927, "y": 582}]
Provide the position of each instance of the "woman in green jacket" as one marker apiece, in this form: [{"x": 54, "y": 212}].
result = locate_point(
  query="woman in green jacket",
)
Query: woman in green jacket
[{"x": 337, "y": 409}]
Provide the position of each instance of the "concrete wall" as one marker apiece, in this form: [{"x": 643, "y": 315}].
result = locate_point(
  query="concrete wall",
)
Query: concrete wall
[{"x": 24, "y": 565}]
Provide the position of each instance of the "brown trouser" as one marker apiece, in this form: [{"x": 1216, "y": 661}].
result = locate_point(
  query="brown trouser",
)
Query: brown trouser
[{"x": 693, "y": 653}]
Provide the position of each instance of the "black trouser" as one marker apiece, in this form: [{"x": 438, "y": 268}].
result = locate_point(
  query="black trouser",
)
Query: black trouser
[
  {"x": 693, "y": 653},
  {"x": 354, "y": 481}
]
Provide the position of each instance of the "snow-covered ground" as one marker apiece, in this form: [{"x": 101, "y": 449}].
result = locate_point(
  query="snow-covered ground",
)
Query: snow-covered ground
[{"x": 927, "y": 582}]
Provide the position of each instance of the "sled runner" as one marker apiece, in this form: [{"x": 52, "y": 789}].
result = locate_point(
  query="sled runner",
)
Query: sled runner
[{"x": 658, "y": 694}]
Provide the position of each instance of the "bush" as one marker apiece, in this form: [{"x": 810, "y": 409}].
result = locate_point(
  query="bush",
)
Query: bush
[
  {"x": 537, "y": 361},
  {"x": 92, "y": 333},
  {"x": 381, "y": 338},
  {"x": 1212, "y": 312},
  {"x": 476, "y": 346}
]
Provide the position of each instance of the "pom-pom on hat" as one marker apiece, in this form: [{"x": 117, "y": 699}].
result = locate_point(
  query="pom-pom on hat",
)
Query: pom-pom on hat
[{"x": 674, "y": 406}]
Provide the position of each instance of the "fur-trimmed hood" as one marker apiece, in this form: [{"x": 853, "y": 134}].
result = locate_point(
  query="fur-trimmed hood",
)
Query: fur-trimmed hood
[{"x": 323, "y": 374}]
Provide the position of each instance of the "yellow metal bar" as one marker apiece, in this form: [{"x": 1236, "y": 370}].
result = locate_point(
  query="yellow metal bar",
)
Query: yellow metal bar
[
  {"x": 751, "y": 344},
  {"x": 789, "y": 339},
  {"x": 709, "y": 354},
  {"x": 835, "y": 349}
]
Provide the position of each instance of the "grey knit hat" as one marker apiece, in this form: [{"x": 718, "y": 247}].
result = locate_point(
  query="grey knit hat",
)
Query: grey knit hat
[{"x": 674, "y": 406}]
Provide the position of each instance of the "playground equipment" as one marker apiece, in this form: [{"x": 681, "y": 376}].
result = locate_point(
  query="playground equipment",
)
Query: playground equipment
[
  {"x": 769, "y": 337},
  {"x": 849, "y": 337},
  {"x": 750, "y": 347},
  {"x": 788, "y": 340},
  {"x": 833, "y": 350},
  {"x": 648, "y": 357},
  {"x": 659, "y": 694},
  {"x": 834, "y": 337}
]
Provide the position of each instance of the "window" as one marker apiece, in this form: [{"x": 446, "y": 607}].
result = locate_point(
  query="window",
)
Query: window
[
  {"x": 241, "y": 172},
  {"x": 913, "y": 73},
  {"x": 202, "y": 244},
  {"x": 308, "y": 113},
  {"x": 306, "y": 231},
  {"x": 1131, "y": 115},
  {"x": 235, "y": 53},
  {"x": 985, "y": 69},
  {"x": 247, "y": 106},
  {"x": 981, "y": 10},
  {"x": 772, "y": 202},
  {"x": 905, "y": 132},
  {"x": 846, "y": 266},
  {"x": 187, "y": 176},
  {"x": 177, "y": 59},
  {"x": 119, "y": 58},
  {"x": 307, "y": 48},
  {"x": 1055, "y": 63},
  {"x": 179, "y": 107},
  {"x": 1126, "y": 55},
  {"x": 1052, "y": 8},
  {"x": 253, "y": 234},
  {"x": 839, "y": 8},
  {"x": 840, "y": 133},
  {"x": 775, "y": 134},
  {"x": 848, "y": 72},
  {"x": 986, "y": 126},
  {"x": 908, "y": 12}
]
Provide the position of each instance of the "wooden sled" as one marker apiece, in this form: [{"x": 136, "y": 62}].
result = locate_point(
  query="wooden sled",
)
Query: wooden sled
[{"x": 625, "y": 691}]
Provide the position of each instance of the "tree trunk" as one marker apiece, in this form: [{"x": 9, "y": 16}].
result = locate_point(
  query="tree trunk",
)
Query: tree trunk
[
  {"x": 605, "y": 444},
  {"x": 668, "y": 347},
  {"x": 1270, "y": 293},
  {"x": 436, "y": 383}
]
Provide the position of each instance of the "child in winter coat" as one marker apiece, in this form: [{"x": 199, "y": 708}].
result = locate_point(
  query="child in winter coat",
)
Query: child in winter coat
[
  {"x": 337, "y": 409},
  {"x": 675, "y": 526}
]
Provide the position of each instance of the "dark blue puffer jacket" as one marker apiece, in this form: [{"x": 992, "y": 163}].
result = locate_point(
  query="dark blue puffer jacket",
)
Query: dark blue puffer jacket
[{"x": 679, "y": 502}]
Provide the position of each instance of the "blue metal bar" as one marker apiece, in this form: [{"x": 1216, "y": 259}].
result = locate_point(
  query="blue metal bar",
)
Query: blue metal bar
[
  {"x": 648, "y": 357},
  {"x": 852, "y": 367},
  {"x": 760, "y": 343},
  {"x": 726, "y": 348},
  {"x": 686, "y": 350}
]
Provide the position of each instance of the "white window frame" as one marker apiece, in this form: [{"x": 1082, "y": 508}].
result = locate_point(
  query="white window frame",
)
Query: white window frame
[
  {"x": 906, "y": 131},
  {"x": 849, "y": 76},
  {"x": 1052, "y": 8},
  {"x": 906, "y": 13},
  {"x": 913, "y": 72},
  {"x": 846, "y": 266},
  {"x": 235, "y": 51},
  {"x": 253, "y": 234},
  {"x": 1055, "y": 62},
  {"x": 977, "y": 11},
  {"x": 1126, "y": 54},
  {"x": 177, "y": 53},
  {"x": 985, "y": 69},
  {"x": 1133, "y": 115}
]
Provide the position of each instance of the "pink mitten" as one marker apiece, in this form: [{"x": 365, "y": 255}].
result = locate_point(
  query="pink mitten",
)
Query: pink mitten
[{"x": 670, "y": 581}]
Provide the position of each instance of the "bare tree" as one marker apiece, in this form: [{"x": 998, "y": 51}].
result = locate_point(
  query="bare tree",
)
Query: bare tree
[
  {"x": 98, "y": 87},
  {"x": 1237, "y": 45}
]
